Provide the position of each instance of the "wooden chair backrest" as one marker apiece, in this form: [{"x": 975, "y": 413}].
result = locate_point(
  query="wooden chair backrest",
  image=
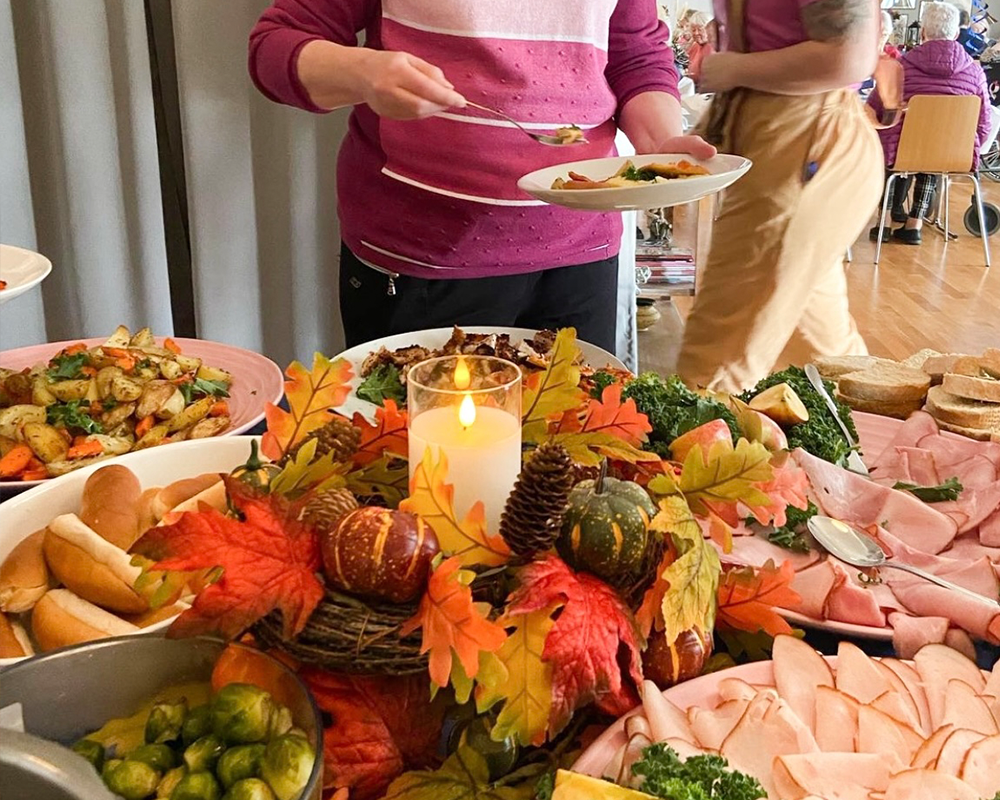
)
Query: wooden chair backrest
[{"x": 939, "y": 134}]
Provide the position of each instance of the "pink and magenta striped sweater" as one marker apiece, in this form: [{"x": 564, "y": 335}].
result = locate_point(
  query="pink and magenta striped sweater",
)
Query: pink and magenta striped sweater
[{"x": 438, "y": 197}]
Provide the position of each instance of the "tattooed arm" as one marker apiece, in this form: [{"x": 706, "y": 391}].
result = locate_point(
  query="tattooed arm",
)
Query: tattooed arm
[{"x": 842, "y": 49}]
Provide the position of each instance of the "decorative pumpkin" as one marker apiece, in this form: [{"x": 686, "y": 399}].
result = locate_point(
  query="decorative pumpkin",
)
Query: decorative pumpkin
[
  {"x": 379, "y": 554},
  {"x": 605, "y": 527},
  {"x": 666, "y": 663},
  {"x": 255, "y": 473}
]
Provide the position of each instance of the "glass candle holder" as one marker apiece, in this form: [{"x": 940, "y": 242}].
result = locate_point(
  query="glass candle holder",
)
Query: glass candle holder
[{"x": 468, "y": 408}]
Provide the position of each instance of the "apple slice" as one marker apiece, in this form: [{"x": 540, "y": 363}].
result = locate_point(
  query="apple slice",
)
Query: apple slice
[
  {"x": 925, "y": 784},
  {"x": 836, "y": 720},
  {"x": 963, "y": 707},
  {"x": 981, "y": 768},
  {"x": 880, "y": 733},
  {"x": 830, "y": 775},
  {"x": 927, "y": 754},
  {"x": 858, "y": 675},
  {"x": 914, "y": 687},
  {"x": 798, "y": 671},
  {"x": 938, "y": 664},
  {"x": 956, "y": 747}
]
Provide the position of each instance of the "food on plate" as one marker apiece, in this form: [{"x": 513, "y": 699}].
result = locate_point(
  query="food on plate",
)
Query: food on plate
[
  {"x": 14, "y": 642},
  {"x": 570, "y": 134},
  {"x": 781, "y": 404},
  {"x": 631, "y": 175},
  {"x": 852, "y": 728},
  {"x": 24, "y": 575},
  {"x": 187, "y": 744},
  {"x": 87, "y": 404}
]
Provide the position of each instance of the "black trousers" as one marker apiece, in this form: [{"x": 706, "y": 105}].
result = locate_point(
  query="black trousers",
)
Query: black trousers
[
  {"x": 584, "y": 297},
  {"x": 924, "y": 186}
]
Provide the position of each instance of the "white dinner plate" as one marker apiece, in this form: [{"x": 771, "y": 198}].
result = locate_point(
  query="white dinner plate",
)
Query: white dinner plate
[
  {"x": 21, "y": 269},
  {"x": 434, "y": 338},
  {"x": 724, "y": 169}
]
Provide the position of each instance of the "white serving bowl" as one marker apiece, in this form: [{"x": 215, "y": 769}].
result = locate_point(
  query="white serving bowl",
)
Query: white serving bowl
[{"x": 26, "y": 513}]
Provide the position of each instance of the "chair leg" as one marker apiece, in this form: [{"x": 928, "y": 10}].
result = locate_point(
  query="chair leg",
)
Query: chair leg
[
  {"x": 946, "y": 185},
  {"x": 982, "y": 222},
  {"x": 889, "y": 183}
]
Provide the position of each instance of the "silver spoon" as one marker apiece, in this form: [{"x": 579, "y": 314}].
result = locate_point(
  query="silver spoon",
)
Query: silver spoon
[
  {"x": 544, "y": 138},
  {"x": 859, "y": 550},
  {"x": 854, "y": 462}
]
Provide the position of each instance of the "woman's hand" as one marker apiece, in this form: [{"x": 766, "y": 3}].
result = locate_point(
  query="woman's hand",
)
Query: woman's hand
[
  {"x": 691, "y": 145},
  {"x": 720, "y": 72}
]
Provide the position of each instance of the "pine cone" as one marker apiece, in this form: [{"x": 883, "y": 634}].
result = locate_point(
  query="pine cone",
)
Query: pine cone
[
  {"x": 532, "y": 517},
  {"x": 324, "y": 511},
  {"x": 338, "y": 436}
]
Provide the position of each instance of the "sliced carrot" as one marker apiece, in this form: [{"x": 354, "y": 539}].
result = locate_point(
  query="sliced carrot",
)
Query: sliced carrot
[
  {"x": 126, "y": 363},
  {"x": 34, "y": 463},
  {"x": 115, "y": 352},
  {"x": 144, "y": 425},
  {"x": 85, "y": 449},
  {"x": 172, "y": 346},
  {"x": 78, "y": 440},
  {"x": 220, "y": 408},
  {"x": 73, "y": 349},
  {"x": 90, "y": 372},
  {"x": 34, "y": 474},
  {"x": 15, "y": 461}
]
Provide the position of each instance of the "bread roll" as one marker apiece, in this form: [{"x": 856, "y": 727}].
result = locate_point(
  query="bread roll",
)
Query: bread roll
[
  {"x": 61, "y": 618},
  {"x": 155, "y": 615},
  {"x": 148, "y": 518},
  {"x": 91, "y": 566},
  {"x": 111, "y": 505},
  {"x": 214, "y": 496},
  {"x": 24, "y": 577},
  {"x": 174, "y": 494},
  {"x": 14, "y": 642}
]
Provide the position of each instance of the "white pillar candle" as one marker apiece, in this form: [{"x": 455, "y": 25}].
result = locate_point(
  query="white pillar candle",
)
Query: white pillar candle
[{"x": 484, "y": 457}]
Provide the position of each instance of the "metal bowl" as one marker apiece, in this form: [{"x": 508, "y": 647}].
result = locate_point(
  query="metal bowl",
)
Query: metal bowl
[{"x": 71, "y": 692}]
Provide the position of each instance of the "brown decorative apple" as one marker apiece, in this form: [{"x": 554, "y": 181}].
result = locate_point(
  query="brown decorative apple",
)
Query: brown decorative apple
[{"x": 667, "y": 663}]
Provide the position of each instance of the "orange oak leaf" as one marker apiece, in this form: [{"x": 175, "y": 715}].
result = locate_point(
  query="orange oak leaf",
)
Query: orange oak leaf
[
  {"x": 593, "y": 646},
  {"x": 789, "y": 487},
  {"x": 380, "y": 727},
  {"x": 433, "y": 500},
  {"x": 310, "y": 395},
  {"x": 268, "y": 562},
  {"x": 622, "y": 420},
  {"x": 387, "y": 433},
  {"x": 453, "y": 625},
  {"x": 748, "y": 597}
]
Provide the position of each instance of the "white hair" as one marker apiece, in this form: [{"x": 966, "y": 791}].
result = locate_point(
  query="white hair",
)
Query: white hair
[
  {"x": 939, "y": 21},
  {"x": 886, "y": 27}
]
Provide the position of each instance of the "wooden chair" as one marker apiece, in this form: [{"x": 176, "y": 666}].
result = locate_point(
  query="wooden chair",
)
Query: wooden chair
[{"x": 938, "y": 137}]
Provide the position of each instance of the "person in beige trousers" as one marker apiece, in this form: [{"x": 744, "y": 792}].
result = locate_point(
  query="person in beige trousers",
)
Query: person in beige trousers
[{"x": 774, "y": 291}]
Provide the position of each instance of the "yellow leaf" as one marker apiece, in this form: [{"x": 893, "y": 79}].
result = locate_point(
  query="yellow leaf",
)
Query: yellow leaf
[
  {"x": 692, "y": 577},
  {"x": 465, "y": 775},
  {"x": 587, "y": 448},
  {"x": 727, "y": 476},
  {"x": 302, "y": 473},
  {"x": 527, "y": 692},
  {"x": 388, "y": 476},
  {"x": 491, "y": 675},
  {"x": 433, "y": 499},
  {"x": 553, "y": 391}
]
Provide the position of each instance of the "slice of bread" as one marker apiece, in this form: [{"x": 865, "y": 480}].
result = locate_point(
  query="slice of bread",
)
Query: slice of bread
[
  {"x": 946, "y": 407},
  {"x": 918, "y": 359},
  {"x": 898, "y": 410},
  {"x": 832, "y": 367},
  {"x": 990, "y": 361},
  {"x": 891, "y": 383},
  {"x": 967, "y": 365},
  {"x": 985, "y": 389},
  {"x": 936, "y": 366},
  {"x": 972, "y": 433}
]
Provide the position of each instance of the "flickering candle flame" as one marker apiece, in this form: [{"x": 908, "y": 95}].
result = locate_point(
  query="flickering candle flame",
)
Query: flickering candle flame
[
  {"x": 462, "y": 377},
  {"x": 467, "y": 412}
]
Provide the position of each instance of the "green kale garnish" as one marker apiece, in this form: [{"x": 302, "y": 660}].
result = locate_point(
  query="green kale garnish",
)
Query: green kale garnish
[
  {"x": 949, "y": 490},
  {"x": 601, "y": 380},
  {"x": 67, "y": 367},
  {"x": 70, "y": 415},
  {"x": 704, "y": 777},
  {"x": 821, "y": 435},
  {"x": 673, "y": 409},
  {"x": 792, "y": 535},
  {"x": 200, "y": 387},
  {"x": 634, "y": 173},
  {"x": 383, "y": 384}
]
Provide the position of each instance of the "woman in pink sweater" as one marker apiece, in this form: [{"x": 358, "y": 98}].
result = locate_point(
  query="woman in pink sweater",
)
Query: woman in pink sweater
[{"x": 435, "y": 231}]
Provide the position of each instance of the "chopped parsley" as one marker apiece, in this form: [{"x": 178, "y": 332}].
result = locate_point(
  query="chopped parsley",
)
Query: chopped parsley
[
  {"x": 70, "y": 415},
  {"x": 704, "y": 777},
  {"x": 200, "y": 387},
  {"x": 949, "y": 490},
  {"x": 383, "y": 384},
  {"x": 792, "y": 535},
  {"x": 67, "y": 367},
  {"x": 143, "y": 363},
  {"x": 634, "y": 173}
]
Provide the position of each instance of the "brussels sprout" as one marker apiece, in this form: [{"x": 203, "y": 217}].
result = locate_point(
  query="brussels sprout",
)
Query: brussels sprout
[
  {"x": 158, "y": 756},
  {"x": 241, "y": 713},
  {"x": 238, "y": 763},
  {"x": 249, "y": 789},
  {"x": 200, "y": 756},
  {"x": 286, "y": 766},
  {"x": 133, "y": 780},
  {"x": 169, "y": 782},
  {"x": 110, "y": 765},
  {"x": 165, "y": 722},
  {"x": 198, "y": 723},
  {"x": 197, "y": 786},
  {"x": 90, "y": 750},
  {"x": 281, "y": 722}
]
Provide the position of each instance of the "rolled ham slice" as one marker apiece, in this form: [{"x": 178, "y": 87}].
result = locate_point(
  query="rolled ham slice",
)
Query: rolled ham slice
[
  {"x": 910, "y": 633},
  {"x": 909, "y": 434},
  {"x": 923, "y": 599}
]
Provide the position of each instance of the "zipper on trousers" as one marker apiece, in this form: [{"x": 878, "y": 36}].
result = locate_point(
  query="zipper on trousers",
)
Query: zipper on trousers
[{"x": 390, "y": 288}]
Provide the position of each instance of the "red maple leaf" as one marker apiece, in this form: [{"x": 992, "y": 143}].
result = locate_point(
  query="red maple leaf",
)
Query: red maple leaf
[
  {"x": 621, "y": 420},
  {"x": 380, "y": 727},
  {"x": 268, "y": 562},
  {"x": 387, "y": 433},
  {"x": 748, "y": 597},
  {"x": 593, "y": 639}
]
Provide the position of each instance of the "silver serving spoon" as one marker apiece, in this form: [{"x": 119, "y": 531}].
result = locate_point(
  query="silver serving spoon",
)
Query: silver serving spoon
[
  {"x": 854, "y": 462},
  {"x": 860, "y": 550},
  {"x": 544, "y": 138}
]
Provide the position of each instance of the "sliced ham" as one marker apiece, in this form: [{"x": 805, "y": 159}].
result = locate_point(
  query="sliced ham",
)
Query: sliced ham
[
  {"x": 975, "y": 574},
  {"x": 910, "y": 465},
  {"x": 849, "y": 601},
  {"x": 989, "y": 530},
  {"x": 822, "y": 774},
  {"x": 909, "y": 434},
  {"x": 755, "y": 551},
  {"x": 922, "y": 598},
  {"x": 973, "y": 506},
  {"x": 910, "y": 633},
  {"x": 813, "y": 586}
]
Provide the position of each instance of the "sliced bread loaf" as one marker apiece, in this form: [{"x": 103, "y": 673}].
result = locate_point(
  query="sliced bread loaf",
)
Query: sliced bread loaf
[
  {"x": 918, "y": 359},
  {"x": 972, "y": 433},
  {"x": 832, "y": 367},
  {"x": 946, "y": 407},
  {"x": 936, "y": 366},
  {"x": 887, "y": 383},
  {"x": 898, "y": 410},
  {"x": 990, "y": 361},
  {"x": 985, "y": 389}
]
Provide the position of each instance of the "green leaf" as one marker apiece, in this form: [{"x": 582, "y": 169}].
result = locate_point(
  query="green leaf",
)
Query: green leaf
[
  {"x": 302, "y": 474},
  {"x": 67, "y": 367},
  {"x": 553, "y": 391},
  {"x": 70, "y": 415},
  {"x": 200, "y": 387},
  {"x": 949, "y": 490},
  {"x": 791, "y": 535},
  {"x": 388, "y": 477},
  {"x": 588, "y": 447},
  {"x": 727, "y": 475},
  {"x": 464, "y": 776},
  {"x": 383, "y": 383}
]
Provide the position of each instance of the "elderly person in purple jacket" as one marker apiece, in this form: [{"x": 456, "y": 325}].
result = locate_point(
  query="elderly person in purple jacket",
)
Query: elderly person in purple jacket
[{"x": 939, "y": 65}]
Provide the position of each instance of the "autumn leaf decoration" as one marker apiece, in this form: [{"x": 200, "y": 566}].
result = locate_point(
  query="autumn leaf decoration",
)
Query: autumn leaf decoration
[
  {"x": 748, "y": 598},
  {"x": 386, "y": 435},
  {"x": 266, "y": 562},
  {"x": 310, "y": 395},
  {"x": 464, "y": 776},
  {"x": 553, "y": 391}
]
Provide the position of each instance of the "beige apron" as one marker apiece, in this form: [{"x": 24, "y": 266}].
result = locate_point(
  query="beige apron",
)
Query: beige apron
[{"x": 773, "y": 291}]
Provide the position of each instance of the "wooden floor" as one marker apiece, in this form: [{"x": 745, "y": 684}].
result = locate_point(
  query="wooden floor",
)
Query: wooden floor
[{"x": 933, "y": 295}]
